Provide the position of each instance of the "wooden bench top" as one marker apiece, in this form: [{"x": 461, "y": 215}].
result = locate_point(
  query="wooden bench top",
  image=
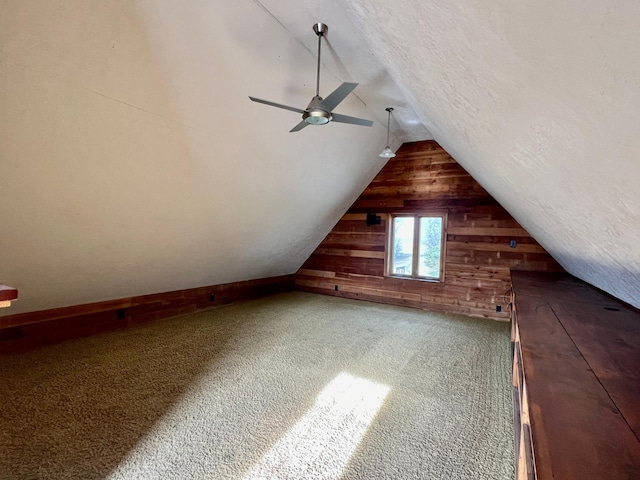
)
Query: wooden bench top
[{"x": 581, "y": 360}]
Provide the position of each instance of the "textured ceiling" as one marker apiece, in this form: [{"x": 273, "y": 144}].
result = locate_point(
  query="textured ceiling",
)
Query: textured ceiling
[
  {"x": 133, "y": 161},
  {"x": 540, "y": 102}
]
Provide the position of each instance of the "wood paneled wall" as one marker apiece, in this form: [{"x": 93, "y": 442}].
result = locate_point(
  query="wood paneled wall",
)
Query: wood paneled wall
[
  {"x": 27, "y": 330},
  {"x": 350, "y": 261}
]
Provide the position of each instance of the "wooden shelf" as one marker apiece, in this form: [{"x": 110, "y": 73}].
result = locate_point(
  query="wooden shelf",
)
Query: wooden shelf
[
  {"x": 7, "y": 295},
  {"x": 576, "y": 364}
]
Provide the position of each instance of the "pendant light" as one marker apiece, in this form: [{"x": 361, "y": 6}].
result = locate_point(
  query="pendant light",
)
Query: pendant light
[{"x": 387, "y": 152}]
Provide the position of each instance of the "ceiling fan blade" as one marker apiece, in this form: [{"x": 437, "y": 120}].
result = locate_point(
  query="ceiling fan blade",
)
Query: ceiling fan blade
[
  {"x": 299, "y": 127},
  {"x": 338, "y": 95},
  {"x": 278, "y": 105},
  {"x": 336, "y": 117}
]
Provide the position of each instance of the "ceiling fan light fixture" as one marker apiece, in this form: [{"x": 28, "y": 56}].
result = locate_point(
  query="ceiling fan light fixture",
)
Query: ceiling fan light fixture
[
  {"x": 316, "y": 117},
  {"x": 387, "y": 152}
]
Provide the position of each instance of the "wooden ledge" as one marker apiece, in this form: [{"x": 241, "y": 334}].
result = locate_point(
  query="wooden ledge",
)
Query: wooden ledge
[
  {"x": 7, "y": 295},
  {"x": 580, "y": 351}
]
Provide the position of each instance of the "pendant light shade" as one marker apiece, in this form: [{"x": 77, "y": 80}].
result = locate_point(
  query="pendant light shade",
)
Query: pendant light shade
[{"x": 387, "y": 152}]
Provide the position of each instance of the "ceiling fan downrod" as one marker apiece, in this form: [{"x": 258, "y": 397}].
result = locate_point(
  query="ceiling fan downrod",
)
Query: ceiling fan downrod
[{"x": 321, "y": 29}]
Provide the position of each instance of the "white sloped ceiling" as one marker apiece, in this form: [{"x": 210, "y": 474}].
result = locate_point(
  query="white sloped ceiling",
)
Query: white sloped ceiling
[
  {"x": 540, "y": 102},
  {"x": 133, "y": 162}
]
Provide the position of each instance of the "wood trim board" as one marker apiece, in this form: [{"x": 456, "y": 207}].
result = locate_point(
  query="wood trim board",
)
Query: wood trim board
[{"x": 33, "y": 329}]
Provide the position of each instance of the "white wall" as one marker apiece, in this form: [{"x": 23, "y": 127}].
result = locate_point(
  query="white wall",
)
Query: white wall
[{"x": 133, "y": 162}]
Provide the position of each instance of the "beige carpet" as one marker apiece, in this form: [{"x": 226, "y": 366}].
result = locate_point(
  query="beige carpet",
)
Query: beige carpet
[{"x": 291, "y": 386}]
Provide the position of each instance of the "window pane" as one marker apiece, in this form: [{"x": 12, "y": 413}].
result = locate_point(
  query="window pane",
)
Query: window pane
[
  {"x": 402, "y": 248},
  {"x": 429, "y": 250}
]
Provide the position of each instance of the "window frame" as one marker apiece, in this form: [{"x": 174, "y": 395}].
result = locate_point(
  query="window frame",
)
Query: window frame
[{"x": 416, "y": 245}]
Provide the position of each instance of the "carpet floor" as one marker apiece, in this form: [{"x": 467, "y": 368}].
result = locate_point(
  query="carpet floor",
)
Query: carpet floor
[{"x": 293, "y": 386}]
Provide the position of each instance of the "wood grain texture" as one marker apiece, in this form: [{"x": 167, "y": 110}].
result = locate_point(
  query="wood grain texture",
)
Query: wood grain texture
[
  {"x": 424, "y": 178},
  {"x": 580, "y": 354},
  {"x": 8, "y": 293},
  {"x": 28, "y": 330}
]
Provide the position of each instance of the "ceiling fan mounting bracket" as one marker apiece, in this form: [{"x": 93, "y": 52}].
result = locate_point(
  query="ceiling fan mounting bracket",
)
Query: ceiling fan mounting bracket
[{"x": 320, "y": 28}]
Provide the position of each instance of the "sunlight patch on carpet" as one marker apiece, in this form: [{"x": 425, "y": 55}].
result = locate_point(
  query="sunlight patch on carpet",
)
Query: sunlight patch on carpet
[{"x": 328, "y": 434}]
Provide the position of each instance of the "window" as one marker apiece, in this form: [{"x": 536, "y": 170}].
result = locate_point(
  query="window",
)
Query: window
[{"x": 416, "y": 246}]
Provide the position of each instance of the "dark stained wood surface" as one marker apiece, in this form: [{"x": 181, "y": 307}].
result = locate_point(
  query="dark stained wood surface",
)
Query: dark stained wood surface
[
  {"x": 422, "y": 178},
  {"x": 33, "y": 329},
  {"x": 581, "y": 361},
  {"x": 8, "y": 293}
]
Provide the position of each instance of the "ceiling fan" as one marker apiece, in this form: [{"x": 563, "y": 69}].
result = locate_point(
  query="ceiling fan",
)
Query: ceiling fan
[{"x": 320, "y": 111}]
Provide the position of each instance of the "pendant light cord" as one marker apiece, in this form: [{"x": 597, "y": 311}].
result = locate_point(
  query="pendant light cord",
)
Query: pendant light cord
[
  {"x": 387, "y": 152},
  {"x": 388, "y": 125}
]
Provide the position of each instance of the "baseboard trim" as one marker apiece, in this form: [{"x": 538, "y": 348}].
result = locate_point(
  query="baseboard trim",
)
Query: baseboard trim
[
  {"x": 402, "y": 302},
  {"x": 28, "y": 330}
]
